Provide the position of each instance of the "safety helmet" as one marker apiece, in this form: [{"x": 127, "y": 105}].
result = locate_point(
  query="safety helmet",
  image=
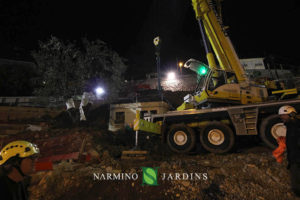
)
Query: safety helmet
[
  {"x": 21, "y": 149},
  {"x": 286, "y": 110}
]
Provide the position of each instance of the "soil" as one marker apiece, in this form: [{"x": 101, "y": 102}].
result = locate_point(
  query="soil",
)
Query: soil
[{"x": 248, "y": 172}]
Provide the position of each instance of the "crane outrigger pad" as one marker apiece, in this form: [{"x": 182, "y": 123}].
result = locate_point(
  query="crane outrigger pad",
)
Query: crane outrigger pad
[{"x": 134, "y": 155}]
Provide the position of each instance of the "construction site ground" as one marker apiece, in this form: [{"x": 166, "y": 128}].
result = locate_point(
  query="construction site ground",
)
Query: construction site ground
[{"x": 81, "y": 150}]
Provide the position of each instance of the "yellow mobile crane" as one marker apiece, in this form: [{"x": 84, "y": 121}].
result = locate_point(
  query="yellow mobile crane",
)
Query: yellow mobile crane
[{"x": 235, "y": 105}]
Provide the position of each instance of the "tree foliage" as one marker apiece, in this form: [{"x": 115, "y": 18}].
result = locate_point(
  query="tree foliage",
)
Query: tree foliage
[{"x": 67, "y": 69}]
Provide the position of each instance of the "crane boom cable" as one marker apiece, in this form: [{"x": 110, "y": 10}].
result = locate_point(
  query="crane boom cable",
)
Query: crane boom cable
[{"x": 222, "y": 46}]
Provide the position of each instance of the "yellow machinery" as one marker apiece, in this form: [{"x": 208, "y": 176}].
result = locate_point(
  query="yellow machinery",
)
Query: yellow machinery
[
  {"x": 243, "y": 107},
  {"x": 228, "y": 83}
]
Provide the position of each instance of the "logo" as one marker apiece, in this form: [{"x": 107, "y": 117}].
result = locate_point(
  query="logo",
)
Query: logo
[{"x": 150, "y": 176}]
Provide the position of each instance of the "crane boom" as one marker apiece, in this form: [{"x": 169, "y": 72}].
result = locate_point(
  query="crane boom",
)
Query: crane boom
[{"x": 220, "y": 42}]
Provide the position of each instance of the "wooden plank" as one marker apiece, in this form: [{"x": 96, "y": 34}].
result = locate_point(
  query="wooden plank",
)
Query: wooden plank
[
  {"x": 133, "y": 158},
  {"x": 134, "y": 152},
  {"x": 134, "y": 155}
]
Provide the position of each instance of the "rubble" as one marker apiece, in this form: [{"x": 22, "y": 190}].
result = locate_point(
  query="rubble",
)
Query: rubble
[
  {"x": 249, "y": 172},
  {"x": 242, "y": 175}
]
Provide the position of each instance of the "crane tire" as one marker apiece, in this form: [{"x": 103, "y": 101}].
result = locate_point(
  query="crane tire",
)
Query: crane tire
[
  {"x": 217, "y": 137},
  {"x": 181, "y": 138},
  {"x": 270, "y": 129}
]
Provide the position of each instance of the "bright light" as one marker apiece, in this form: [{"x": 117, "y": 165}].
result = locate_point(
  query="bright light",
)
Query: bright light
[
  {"x": 99, "y": 91},
  {"x": 180, "y": 64},
  {"x": 171, "y": 76},
  {"x": 171, "y": 82},
  {"x": 156, "y": 41},
  {"x": 202, "y": 70}
]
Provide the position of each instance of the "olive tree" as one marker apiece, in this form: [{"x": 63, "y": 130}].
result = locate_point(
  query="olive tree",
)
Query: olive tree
[{"x": 68, "y": 68}]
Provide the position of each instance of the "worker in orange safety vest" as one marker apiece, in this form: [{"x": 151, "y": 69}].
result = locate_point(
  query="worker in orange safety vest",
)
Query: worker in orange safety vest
[{"x": 292, "y": 145}]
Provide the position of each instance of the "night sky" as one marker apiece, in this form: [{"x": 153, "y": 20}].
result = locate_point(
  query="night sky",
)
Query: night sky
[{"x": 257, "y": 28}]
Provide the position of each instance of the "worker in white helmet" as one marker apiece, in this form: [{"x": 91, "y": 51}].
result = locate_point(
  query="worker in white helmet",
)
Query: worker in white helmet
[
  {"x": 17, "y": 161},
  {"x": 288, "y": 116}
]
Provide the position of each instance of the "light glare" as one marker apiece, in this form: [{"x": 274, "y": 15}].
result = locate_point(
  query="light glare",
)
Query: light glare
[
  {"x": 171, "y": 76},
  {"x": 99, "y": 91}
]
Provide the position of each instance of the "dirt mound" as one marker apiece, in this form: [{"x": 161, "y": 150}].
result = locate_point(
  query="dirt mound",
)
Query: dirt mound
[
  {"x": 234, "y": 176},
  {"x": 250, "y": 173}
]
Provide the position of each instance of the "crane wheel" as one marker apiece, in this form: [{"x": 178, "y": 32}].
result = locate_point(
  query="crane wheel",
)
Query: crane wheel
[
  {"x": 217, "y": 137},
  {"x": 181, "y": 138},
  {"x": 270, "y": 129}
]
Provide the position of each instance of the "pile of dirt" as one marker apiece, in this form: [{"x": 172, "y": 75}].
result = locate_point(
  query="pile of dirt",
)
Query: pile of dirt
[
  {"x": 250, "y": 173},
  {"x": 233, "y": 176}
]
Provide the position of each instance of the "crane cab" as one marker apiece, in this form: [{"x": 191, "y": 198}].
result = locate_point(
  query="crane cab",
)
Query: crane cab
[{"x": 220, "y": 87}]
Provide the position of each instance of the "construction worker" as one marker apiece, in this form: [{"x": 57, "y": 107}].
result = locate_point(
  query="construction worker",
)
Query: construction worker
[
  {"x": 288, "y": 116},
  {"x": 17, "y": 161}
]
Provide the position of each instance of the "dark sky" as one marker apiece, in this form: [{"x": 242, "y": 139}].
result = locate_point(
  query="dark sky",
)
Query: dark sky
[{"x": 257, "y": 28}]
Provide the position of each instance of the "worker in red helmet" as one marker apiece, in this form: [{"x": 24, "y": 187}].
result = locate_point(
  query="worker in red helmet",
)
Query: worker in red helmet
[
  {"x": 17, "y": 161},
  {"x": 288, "y": 116}
]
